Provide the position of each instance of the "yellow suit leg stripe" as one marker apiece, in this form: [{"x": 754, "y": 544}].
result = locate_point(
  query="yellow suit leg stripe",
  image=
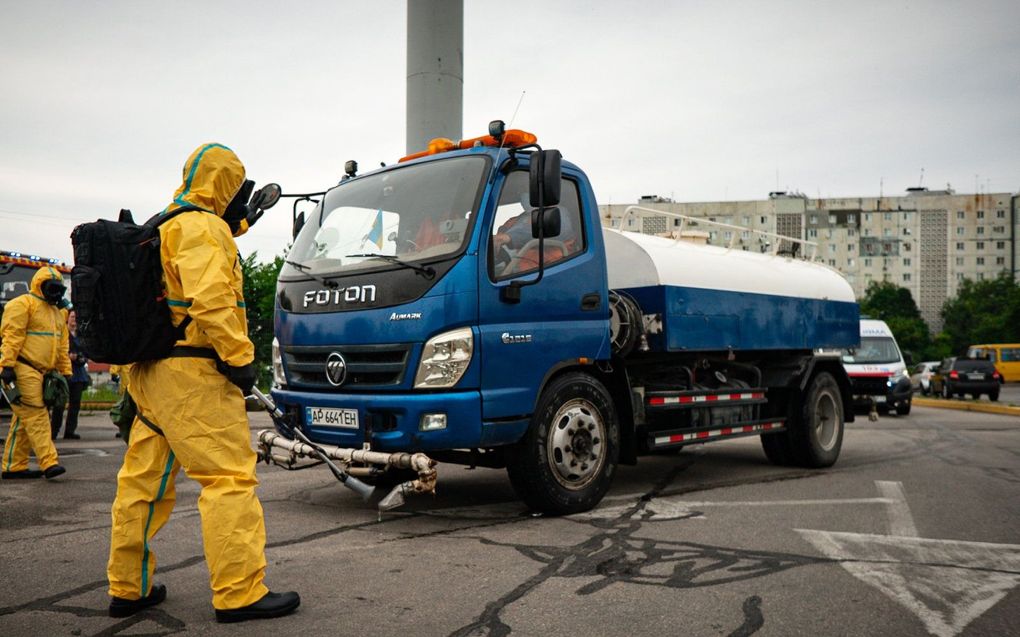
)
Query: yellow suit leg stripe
[
  {"x": 14, "y": 440},
  {"x": 145, "y": 538}
]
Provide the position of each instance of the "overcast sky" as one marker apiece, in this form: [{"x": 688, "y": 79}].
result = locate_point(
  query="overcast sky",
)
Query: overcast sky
[{"x": 700, "y": 101}]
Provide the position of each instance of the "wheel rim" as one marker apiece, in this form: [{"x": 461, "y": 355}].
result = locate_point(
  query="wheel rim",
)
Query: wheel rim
[
  {"x": 826, "y": 423},
  {"x": 577, "y": 444}
]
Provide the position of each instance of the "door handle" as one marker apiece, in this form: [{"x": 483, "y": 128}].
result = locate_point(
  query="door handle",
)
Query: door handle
[{"x": 591, "y": 301}]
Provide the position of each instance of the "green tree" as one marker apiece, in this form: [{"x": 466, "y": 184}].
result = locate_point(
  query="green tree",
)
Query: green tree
[
  {"x": 893, "y": 304},
  {"x": 983, "y": 312},
  {"x": 260, "y": 301}
]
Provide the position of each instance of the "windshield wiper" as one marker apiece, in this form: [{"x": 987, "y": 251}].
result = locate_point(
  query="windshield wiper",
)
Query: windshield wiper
[
  {"x": 427, "y": 271},
  {"x": 306, "y": 270}
]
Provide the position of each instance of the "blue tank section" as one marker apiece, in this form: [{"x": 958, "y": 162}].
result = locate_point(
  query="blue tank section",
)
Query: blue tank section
[{"x": 698, "y": 319}]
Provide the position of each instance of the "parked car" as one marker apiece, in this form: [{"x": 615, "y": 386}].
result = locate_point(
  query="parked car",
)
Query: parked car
[
  {"x": 1005, "y": 357},
  {"x": 920, "y": 379},
  {"x": 960, "y": 376}
]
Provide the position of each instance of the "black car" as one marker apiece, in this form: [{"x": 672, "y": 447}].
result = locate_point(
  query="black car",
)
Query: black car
[{"x": 959, "y": 376}]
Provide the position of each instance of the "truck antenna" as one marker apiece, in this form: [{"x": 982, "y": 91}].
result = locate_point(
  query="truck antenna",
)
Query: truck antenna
[{"x": 511, "y": 125}]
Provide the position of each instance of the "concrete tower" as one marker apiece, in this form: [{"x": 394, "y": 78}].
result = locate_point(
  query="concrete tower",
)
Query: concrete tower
[{"x": 435, "y": 71}]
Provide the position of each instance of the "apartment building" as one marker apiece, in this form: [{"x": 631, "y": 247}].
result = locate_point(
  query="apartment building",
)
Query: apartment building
[{"x": 927, "y": 241}]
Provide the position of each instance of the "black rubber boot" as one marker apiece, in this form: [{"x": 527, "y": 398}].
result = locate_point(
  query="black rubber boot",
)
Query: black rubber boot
[
  {"x": 72, "y": 436},
  {"x": 271, "y": 605},
  {"x": 24, "y": 474},
  {"x": 54, "y": 471},
  {"x": 120, "y": 607}
]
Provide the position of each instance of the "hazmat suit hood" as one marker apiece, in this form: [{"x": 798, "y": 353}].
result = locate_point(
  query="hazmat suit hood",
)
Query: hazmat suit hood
[
  {"x": 212, "y": 176},
  {"x": 41, "y": 276}
]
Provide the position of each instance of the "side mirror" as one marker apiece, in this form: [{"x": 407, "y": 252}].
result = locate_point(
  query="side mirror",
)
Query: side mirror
[
  {"x": 545, "y": 174},
  {"x": 299, "y": 222},
  {"x": 545, "y": 222},
  {"x": 266, "y": 197}
]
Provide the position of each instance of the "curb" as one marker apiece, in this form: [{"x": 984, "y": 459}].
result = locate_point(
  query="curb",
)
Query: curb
[
  {"x": 96, "y": 405},
  {"x": 986, "y": 408}
]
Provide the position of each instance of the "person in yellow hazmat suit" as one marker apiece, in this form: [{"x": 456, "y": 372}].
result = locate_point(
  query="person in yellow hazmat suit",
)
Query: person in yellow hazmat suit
[
  {"x": 192, "y": 416},
  {"x": 34, "y": 342}
]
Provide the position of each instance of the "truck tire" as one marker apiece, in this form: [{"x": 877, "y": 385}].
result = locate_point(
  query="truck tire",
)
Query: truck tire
[
  {"x": 816, "y": 435},
  {"x": 567, "y": 459},
  {"x": 777, "y": 449}
]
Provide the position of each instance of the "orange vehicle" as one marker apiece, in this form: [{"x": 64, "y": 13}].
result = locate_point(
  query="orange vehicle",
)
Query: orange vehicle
[{"x": 1006, "y": 357}]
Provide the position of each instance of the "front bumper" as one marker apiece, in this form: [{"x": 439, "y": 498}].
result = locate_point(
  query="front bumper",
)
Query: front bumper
[
  {"x": 899, "y": 392},
  {"x": 390, "y": 421}
]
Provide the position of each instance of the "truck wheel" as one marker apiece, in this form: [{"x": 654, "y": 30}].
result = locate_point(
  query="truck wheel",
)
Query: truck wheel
[
  {"x": 994, "y": 396},
  {"x": 777, "y": 448},
  {"x": 903, "y": 408},
  {"x": 566, "y": 461},
  {"x": 817, "y": 433}
]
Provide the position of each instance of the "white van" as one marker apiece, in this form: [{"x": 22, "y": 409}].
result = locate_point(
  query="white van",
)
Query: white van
[{"x": 877, "y": 371}]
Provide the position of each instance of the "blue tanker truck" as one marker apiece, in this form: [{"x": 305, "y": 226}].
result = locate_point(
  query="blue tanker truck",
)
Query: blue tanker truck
[{"x": 466, "y": 305}]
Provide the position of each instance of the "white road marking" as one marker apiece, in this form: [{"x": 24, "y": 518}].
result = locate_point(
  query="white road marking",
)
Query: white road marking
[
  {"x": 946, "y": 583},
  {"x": 900, "y": 520}
]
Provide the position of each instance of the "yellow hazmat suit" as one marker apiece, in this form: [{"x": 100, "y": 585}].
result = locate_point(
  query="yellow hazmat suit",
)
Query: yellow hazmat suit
[
  {"x": 200, "y": 412},
  {"x": 34, "y": 336}
]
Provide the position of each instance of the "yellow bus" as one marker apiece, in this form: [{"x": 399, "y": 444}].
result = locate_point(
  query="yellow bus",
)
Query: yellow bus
[{"x": 1006, "y": 357}]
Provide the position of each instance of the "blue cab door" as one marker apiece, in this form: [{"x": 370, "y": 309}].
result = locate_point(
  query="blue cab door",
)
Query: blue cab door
[{"x": 562, "y": 318}]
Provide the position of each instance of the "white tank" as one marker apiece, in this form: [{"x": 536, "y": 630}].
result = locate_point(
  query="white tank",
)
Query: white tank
[{"x": 638, "y": 260}]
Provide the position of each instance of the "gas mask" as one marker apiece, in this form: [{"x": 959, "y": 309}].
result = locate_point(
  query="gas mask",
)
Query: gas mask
[
  {"x": 237, "y": 210},
  {"x": 53, "y": 291}
]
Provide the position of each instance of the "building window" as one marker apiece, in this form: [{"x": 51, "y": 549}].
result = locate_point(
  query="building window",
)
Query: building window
[
  {"x": 851, "y": 218},
  {"x": 850, "y": 262},
  {"x": 832, "y": 247},
  {"x": 959, "y": 214},
  {"x": 981, "y": 214},
  {"x": 959, "y": 276},
  {"x": 747, "y": 221},
  {"x": 812, "y": 233},
  {"x": 763, "y": 220},
  {"x": 999, "y": 229},
  {"x": 980, "y": 260},
  {"x": 980, "y": 276},
  {"x": 959, "y": 245},
  {"x": 1000, "y": 260},
  {"x": 959, "y": 231},
  {"x": 906, "y": 246},
  {"x": 906, "y": 262},
  {"x": 832, "y": 262},
  {"x": 851, "y": 247},
  {"x": 851, "y": 232},
  {"x": 887, "y": 216},
  {"x": 728, "y": 235},
  {"x": 1000, "y": 245},
  {"x": 1000, "y": 214},
  {"x": 980, "y": 245},
  {"x": 887, "y": 232},
  {"x": 814, "y": 219},
  {"x": 959, "y": 260},
  {"x": 867, "y": 217},
  {"x": 980, "y": 229},
  {"x": 867, "y": 262},
  {"x": 906, "y": 276}
]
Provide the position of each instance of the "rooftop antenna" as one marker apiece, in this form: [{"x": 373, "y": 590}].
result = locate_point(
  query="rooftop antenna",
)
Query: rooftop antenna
[
  {"x": 920, "y": 183},
  {"x": 881, "y": 187},
  {"x": 502, "y": 140}
]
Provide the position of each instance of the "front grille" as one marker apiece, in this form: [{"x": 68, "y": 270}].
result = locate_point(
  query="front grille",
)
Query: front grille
[
  {"x": 368, "y": 366},
  {"x": 864, "y": 386}
]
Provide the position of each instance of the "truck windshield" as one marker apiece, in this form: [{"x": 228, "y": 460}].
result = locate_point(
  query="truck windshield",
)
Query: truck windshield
[
  {"x": 415, "y": 213},
  {"x": 873, "y": 349}
]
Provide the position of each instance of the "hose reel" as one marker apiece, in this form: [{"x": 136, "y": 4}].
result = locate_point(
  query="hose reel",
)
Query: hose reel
[{"x": 625, "y": 326}]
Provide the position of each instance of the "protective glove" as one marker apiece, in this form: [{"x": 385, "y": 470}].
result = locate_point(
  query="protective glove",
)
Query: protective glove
[
  {"x": 7, "y": 375},
  {"x": 243, "y": 377}
]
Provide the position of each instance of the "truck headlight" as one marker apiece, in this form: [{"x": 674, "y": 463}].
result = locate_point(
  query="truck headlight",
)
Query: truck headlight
[
  {"x": 444, "y": 359},
  {"x": 278, "y": 378}
]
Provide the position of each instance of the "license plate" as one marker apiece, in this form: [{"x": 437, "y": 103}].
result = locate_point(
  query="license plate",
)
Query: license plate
[
  {"x": 329, "y": 417},
  {"x": 976, "y": 376},
  {"x": 879, "y": 399}
]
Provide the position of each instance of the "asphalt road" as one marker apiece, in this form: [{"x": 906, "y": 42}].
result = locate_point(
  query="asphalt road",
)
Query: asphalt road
[{"x": 913, "y": 532}]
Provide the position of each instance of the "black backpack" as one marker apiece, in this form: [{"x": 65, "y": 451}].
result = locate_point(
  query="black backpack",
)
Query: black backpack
[{"x": 117, "y": 290}]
